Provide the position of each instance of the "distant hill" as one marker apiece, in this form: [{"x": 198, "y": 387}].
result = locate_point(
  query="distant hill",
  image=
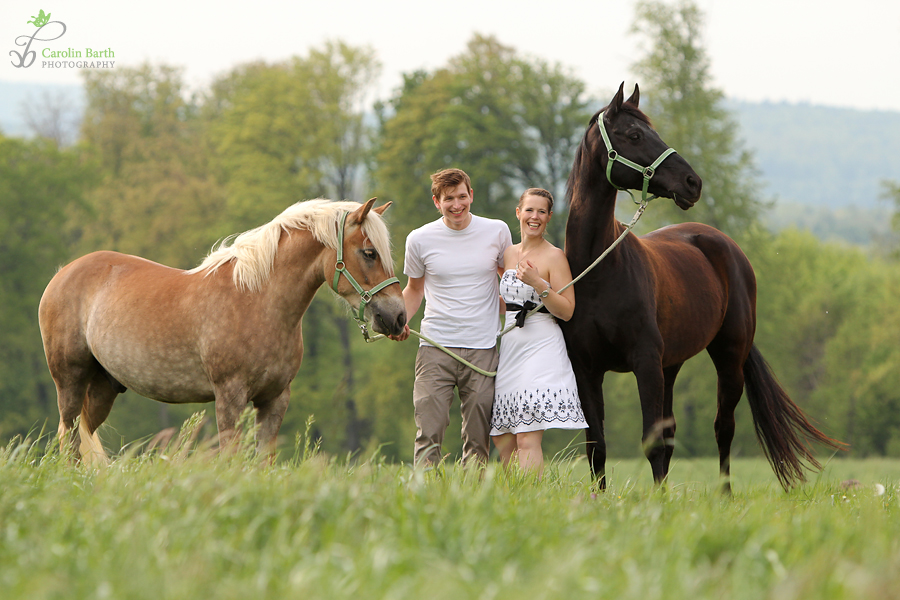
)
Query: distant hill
[{"x": 820, "y": 156}]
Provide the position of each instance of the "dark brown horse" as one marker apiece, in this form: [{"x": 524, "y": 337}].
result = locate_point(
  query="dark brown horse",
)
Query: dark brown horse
[
  {"x": 228, "y": 331},
  {"x": 660, "y": 299}
]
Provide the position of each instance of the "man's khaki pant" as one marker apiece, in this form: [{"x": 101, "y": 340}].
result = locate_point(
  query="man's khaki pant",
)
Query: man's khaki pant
[{"x": 437, "y": 374}]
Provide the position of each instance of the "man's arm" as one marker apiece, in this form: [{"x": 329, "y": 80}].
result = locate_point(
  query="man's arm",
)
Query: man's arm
[{"x": 413, "y": 294}]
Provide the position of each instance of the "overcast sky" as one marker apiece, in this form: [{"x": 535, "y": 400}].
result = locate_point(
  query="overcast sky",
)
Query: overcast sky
[{"x": 826, "y": 52}]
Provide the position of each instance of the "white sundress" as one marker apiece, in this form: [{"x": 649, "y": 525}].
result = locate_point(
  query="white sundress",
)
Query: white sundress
[{"x": 535, "y": 386}]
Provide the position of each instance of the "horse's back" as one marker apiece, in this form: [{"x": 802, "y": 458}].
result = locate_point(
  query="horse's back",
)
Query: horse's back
[
  {"x": 720, "y": 251},
  {"x": 100, "y": 283},
  {"x": 705, "y": 284},
  {"x": 77, "y": 284},
  {"x": 699, "y": 246}
]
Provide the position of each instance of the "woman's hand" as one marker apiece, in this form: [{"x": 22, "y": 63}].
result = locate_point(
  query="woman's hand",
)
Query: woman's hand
[{"x": 528, "y": 273}]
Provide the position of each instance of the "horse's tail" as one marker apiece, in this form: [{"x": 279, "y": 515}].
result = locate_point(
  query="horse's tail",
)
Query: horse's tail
[
  {"x": 781, "y": 427},
  {"x": 91, "y": 449}
]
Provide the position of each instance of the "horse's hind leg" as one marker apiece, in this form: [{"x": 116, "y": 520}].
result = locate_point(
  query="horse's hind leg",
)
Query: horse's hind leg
[
  {"x": 669, "y": 375},
  {"x": 70, "y": 397},
  {"x": 86, "y": 392},
  {"x": 101, "y": 393},
  {"x": 728, "y": 360}
]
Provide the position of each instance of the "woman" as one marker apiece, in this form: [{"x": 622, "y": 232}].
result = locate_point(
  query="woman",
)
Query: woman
[{"x": 535, "y": 387}]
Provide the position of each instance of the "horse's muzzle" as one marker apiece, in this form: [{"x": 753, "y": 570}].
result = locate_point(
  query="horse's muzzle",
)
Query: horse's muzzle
[
  {"x": 693, "y": 187},
  {"x": 388, "y": 319}
]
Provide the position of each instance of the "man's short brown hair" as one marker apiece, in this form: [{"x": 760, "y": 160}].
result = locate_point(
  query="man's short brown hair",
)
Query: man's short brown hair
[{"x": 447, "y": 180}]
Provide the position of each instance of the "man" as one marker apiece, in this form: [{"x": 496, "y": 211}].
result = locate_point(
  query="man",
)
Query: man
[{"x": 453, "y": 264}]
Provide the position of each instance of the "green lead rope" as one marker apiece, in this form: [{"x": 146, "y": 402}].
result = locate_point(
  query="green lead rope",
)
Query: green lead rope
[{"x": 629, "y": 227}]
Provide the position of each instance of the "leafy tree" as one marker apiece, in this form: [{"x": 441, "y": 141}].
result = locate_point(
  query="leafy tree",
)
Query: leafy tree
[
  {"x": 860, "y": 367},
  {"x": 41, "y": 187},
  {"x": 341, "y": 78},
  {"x": 891, "y": 192},
  {"x": 156, "y": 199},
  {"x": 405, "y": 158},
  {"x": 290, "y": 131},
  {"x": 254, "y": 123},
  {"x": 690, "y": 116},
  {"x": 807, "y": 292},
  {"x": 510, "y": 122}
]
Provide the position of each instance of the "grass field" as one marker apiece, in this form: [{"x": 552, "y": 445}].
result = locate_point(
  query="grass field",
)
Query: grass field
[{"x": 193, "y": 525}]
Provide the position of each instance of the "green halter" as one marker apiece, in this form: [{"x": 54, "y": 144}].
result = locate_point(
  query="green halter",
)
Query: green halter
[
  {"x": 614, "y": 156},
  {"x": 364, "y": 295}
]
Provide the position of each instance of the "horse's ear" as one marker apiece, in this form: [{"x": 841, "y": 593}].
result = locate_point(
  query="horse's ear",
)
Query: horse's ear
[
  {"x": 635, "y": 97},
  {"x": 360, "y": 214},
  {"x": 380, "y": 210},
  {"x": 617, "y": 100}
]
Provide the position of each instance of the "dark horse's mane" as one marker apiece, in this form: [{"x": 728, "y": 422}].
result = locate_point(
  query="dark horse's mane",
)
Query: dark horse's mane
[{"x": 627, "y": 107}]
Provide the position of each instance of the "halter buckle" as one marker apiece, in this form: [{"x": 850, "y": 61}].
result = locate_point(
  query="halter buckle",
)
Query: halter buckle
[{"x": 364, "y": 329}]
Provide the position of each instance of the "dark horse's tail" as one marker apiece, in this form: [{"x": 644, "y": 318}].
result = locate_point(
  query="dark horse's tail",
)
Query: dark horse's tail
[{"x": 781, "y": 427}]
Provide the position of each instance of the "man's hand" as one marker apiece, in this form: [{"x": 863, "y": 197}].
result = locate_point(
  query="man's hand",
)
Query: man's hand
[{"x": 402, "y": 335}]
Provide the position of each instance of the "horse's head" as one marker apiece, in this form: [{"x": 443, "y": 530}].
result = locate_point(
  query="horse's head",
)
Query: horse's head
[
  {"x": 368, "y": 283},
  {"x": 640, "y": 159}
]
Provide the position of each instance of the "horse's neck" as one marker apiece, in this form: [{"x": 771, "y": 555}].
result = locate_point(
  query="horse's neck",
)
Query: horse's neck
[
  {"x": 298, "y": 272},
  {"x": 592, "y": 226}
]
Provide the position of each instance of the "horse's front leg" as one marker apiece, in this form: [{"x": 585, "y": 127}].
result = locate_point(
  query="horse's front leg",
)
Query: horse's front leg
[
  {"x": 231, "y": 400},
  {"x": 590, "y": 392},
  {"x": 269, "y": 415},
  {"x": 651, "y": 384},
  {"x": 669, "y": 374}
]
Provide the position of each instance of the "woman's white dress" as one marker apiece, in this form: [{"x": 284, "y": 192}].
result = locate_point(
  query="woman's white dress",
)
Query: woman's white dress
[{"x": 535, "y": 387}]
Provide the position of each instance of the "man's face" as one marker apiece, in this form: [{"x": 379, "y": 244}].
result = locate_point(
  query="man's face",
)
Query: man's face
[{"x": 454, "y": 206}]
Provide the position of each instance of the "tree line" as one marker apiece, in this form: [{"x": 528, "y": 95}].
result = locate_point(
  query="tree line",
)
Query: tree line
[{"x": 164, "y": 172}]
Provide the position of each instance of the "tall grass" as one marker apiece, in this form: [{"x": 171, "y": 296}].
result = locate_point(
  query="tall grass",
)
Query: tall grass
[{"x": 183, "y": 522}]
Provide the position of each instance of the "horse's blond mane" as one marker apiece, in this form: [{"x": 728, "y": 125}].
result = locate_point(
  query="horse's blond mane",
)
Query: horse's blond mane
[{"x": 253, "y": 252}]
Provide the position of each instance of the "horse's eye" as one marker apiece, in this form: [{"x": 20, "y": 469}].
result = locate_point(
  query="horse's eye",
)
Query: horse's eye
[{"x": 370, "y": 254}]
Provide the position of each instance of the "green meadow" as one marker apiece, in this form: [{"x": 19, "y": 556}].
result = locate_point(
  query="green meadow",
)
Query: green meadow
[{"x": 183, "y": 522}]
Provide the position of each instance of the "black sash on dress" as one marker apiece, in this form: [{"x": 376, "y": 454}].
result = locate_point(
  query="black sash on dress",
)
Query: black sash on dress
[{"x": 523, "y": 310}]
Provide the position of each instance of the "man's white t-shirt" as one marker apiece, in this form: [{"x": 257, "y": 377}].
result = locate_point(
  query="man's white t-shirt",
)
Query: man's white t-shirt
[{"x": 461, "y": 283}]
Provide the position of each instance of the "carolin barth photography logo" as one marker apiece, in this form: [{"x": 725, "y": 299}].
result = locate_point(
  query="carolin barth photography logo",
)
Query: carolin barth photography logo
[{"x": 54, "y": 57}]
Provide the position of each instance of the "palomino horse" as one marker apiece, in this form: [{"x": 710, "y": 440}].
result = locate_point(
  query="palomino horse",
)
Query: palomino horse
[
  {"x": 657, "y": 300},
  {"x": 228, "y": 331}
]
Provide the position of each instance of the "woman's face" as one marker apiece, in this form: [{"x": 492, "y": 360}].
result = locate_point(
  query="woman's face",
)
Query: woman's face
[{"x": 533, "y": 215}]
